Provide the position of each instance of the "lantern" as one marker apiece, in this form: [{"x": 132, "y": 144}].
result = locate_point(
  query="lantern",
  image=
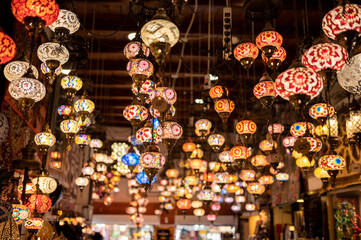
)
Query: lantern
[
  {"x": 232, "y": 188},
  {"x": 349, "y": 76},
  {"x": 27, "y": 90},
  {"x": 83, "y": 123},
  {"x": 20, "y": 213},
  {"x": 217, "y": 92},
  {"x": 196, "y": 204},
  {"x": 188, "y": 148},
  {"x": 300, "y": 128},
  {"x": 170, "y": 132},
  {"x": 266, "y": 180},
  {"x": 135, "y": 114},
  {"x": 320, "y": 111},
  {"x": 8, "y": 48},
  {"x": 304, "y": 163},
  {"x": 50, "y": 75},
  {"x": 46, "y": 184},
  {"x": 162, "y": 98},
  {"x": 203, "y": 126},
  {"x": 353, "y": 127},
  {"x": 39, "y": 203},
  {"x": 226, "y": 158},
  {"x": 211, "y": 217},
  {"x": 65, "y": 110},
  {"x": 71, "y": 84},
  {"x": 184, "y": 204},
  {"x": 172, "y": 173},
  {"x": 88, "y": 169},
  {"x": 269, "y": 41},
  {"x": 332, "y": 163},
  {"x": 140, "y": 69},
  {"x": 144, "y": 91},
  {"x": 240, "y": 199},
  {"x": 151, "y": 160},
  {"x": 265, "y": 90},
  {"x": 255, "y": 188},
  {"x": 70, "y": 127},
  {"x": 44, "y": 140},
  {"x": 321, "y": 174},
  {"x": 298, "y": 85},
  {"x": 246, "y": 53},
  {"x": 196, "y": 165},
  {"x": 206, "y": 195},
  {"x": 246, "y": 128},
  {"x": 259, "y": 161},
  {"x": 277, "y": 58},
  {"x": 84, "y": 106},
  {"x": 33, "y": 223},
  {"x": 82, "y": 139},
  {"x": 282, "y": 177},
  {"x": 266, "y": 146},
  {"x": 131, "y": 159},
  {"x": 96, "y": 144},
  {"x": 216, "y": 141},
  {"x": 132, "y": 49},
  {"x": 240, "y": 154},
  {"x": 315, "y": 144},
  {"x": 199, "y": 212},
  {"x": 221, "y": 178},
  {"x": 344, "y": 24},
  {"x": 247, "y": 175},
  {"x": 224, "y": 107},
  {"x": 250, "y": 207},
  {"x": 66, "y": 23},
  {"x": 82, "y": 182},
  {"x": 16, "y": 69}
]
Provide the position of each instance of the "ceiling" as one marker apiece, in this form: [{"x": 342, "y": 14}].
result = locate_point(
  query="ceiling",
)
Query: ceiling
[{"x": 107, "y": 23}]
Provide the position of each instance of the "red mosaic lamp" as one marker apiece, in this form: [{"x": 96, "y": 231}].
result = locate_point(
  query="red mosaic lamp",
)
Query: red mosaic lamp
[
  {"x": 8, "y": 48},
  {"x": 35, "y": 15},
  {"x": 246, "y": 53},
  {"x": 277, "y": 58},
  {"x": 265, "y": 90},
  {"x": 269, "y": 41}
]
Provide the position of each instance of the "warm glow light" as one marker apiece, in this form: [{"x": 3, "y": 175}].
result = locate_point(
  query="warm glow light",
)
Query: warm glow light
[
  {"x": 246, "y": 127},
  {"x": 255, "y": 188},
  {"x": 332, "y": 162}
]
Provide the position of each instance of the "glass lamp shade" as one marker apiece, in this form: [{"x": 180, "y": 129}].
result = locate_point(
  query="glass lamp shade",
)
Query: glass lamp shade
[
  {"x": 196, "y": 204},
  {"x": 84, "y": 106},
  {"x": 88, "y": 170},
  {"x": 65, "y": 110},
  {"x": 331, "y": 162},
  {"x": 245, "y": 51},
  {"x": 247, "y": 175},
  {"x": 46, "y": 184},
  {"x": 266, "y": 180},
  {"x": 353, "y": 123},
  {"x": 191, "y": 180},
  {"x": 189, "y": 147},
  {"x": 349, "y": 76},
  {"x": 320, "y": 110},
  {"x": 240, "y": 152},
  {"x": 325, "y": 56},
  {"x": 282, "y": 177},
  {"x": 211, "y": 217},
  {"x": 203, "y": 125},
  {"x": 27, "y": 90},
  {"x": 47, "y": 10},
  {"x": 39, "y": 203},
  {"x": 71, "y": 82},
  {"x": 144, "y": 135},
  {"x": 265, "y": 90},
  {"x": 8, "y": 48},
  {"x": 277, "y": 58},
  {"x": 267, "y": 146},
  {"x": 259, "y": 161},
  {"x": 152, "y": 159},
  {"x": 16, "y": 69},
  {"x": 215, "y": 207},
  {"x": 66, "y": 20},
  {"x": 333, "y": 123},
  {"x": 135, "y": 112},
  {"x": 140, "y": 66},
  {"x": 69, "y": 126},
  {"x": 206, "y": 195},
  {"x": 246, "y": 127},
  {"x": 342, "y": 19},
  {"x": 289, "y": 142},
  {"x": 255, "y": 188},
  {"x": 300, "y": 128},
  {"x": 33, "y": 223},
  {"x": 196, "y": 164},
  {"x": 44, "y": 69},
  {"x": 160, "y": 30},
  {"x": 163, "y": 96},
  {"x": 232, "y": 188},
  {"x": 20, "y": 213},
  {"x": 168, "y": 206},
  {"x": 44, "y": 140},
  {"x": 82, "y": 182},
  {"x": 82, "y": 139},
  {"x": 156, "y": 114},
  {"x": 226, "y": 157},
  {"x": 275, "y": 128},
  {"x": 184, "y": 204},
  {"x": 170, "y": 130},
  {"x": 217, "y": 92},
  {"x": 172, "y": 173},
  {"x": 96, "y": 143},
  {"x": 240, "y": 199},
  {"x": 315, "y": 144},
  {"x": 304, "y": 162},
  {"x": 30, "y": 188},
  {"x": 134, "y": 141},
  {"x": 51, "y": 51},
  {"x": 269, "y": 42},
  {"x": 250, "y": 207},
  {"x": 216, "y": 141},
  {"x": 298, "y": 81},
  {"x": 199, "y": 212},
  {"x": 131, "y": 50},
  {"x": 142, "y": 178},
  {"x": 144, "y": 90},
  {"x": 130, "y": 158},
  {"x": 83, "y": 123},
  {"x": 224, "y": 107},
  {"x": 321, "y": 173},
  {"x": 236, "y": 207},
  {"x": 221, "y": 178}
]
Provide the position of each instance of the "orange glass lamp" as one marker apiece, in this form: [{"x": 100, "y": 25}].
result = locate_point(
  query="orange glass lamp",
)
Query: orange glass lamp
[
  {"x": 217, "y": 92},
  {"x": 224, "y": 107},
  {"x": 247, "y": 175},
  {"x": 246, "y": 128},
  {"x": 8, "y": 48},
  {"x": 172, "y": 173},
  {"x": 322, "y": 174},
  {"x": 196, "y": 165},
  {"x": 277, "y": 58},
  {"x": 203, "y": 126},
  {"x": 332, "y": 163},
  {"x": 256, "y": 189},
  {"x": 232, "y": 188},
  {"x": 265, "y": 91},
  {"x": 226, "y": 158},
  {"x": 269, "y": 41},
  {"x": 216, "y": 141},
  {"x": 188, "y": 148},
  {"x": 184, "y": 205},
  {"x": 240, "y": 154},
  {"x": 266, "y": 180},
  {"x": 259, "y": 161},
  {"x": 246, "y": 53}
]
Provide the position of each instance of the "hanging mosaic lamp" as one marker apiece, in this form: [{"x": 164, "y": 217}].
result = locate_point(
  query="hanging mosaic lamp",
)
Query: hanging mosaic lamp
[
  {"x": 35, "y": 15},
  {"x": 304, "y": 163},
  {"x": 247, "y": 175},
  {"x": 82, "y": 182},
  {"x": 321, "y": 112},
  {"x": 250, "y": 207},
  {"x": 44, "y": 140},
  {"x": 8, "y": 48},
  {"x": 326, "y": 59},
  {"x": 277, "y": 58},
  {"x": 33, "y": 225},
  {"x": 333, "y": 164},
  {"x": 196, "y": 165},
  {"x": 160, "y": 34},
  {"x": 71, "y": 84},
  {"x": 246, "y": 128},
  {"x": 162, "y": 98},
  {"x": 39, "y": 203},
  {"x": 140, "y": 69},
  {"x": 84, "y": 106},
  {"x": 300, "y": 128},
  {"x": 96, "y": 144},
  {"x": 224, "y": 107},
  {"x": 203, "y": 126},
  {"x": 265, "y": 91},
  {"x": 82, "y": 140},
  {"x": 240, "y": 154},
  {"x": 188, "y": 148},
  {"x": 184, "y": 205},
  {"x": 147, "y": 134},
  {"x": 216, "y": 141},
  {"x": 343, "y": 24},
  {"x": 259, "y": 161},
  {"x": 246, "y": 53},
  {"x": 67, "y": 23},
  {"x": 16, "y": 69},
  {"x": 131, "y": 159},
  {"x": 217, "y": 92},
  {"x": 266, "y": 146},
  {"x": 89, "y": 170},
  {"x": 199, "y": 212},
  {"x": 27, "y": 90},
  {"x": 276, "y": 129},
  {"x": 349, "y": 76},
  {"x": 65, "y": 111},
  {"x": 144, "y": 91},
  {"x": 132, "y": 49},
  {"x": 47, "y": 184},
  {"x": 70, "y": 127},
  {"x": 269, "y": 41},
  {"x": 53, "y": 55},
  {"x": 152, "y": 160},
  {"x": 170, "y": 132},
  {"x": 20, "y": 213},
  {"x": 353, "y": 127},
  {"x": 322, "y": 174},
  {"x": 135, "y": 114},
  {"x": 211, "y": 217},
  {"x": 298, "y": 85},
  {"x": 255, "y": 188},
  {"x": 221, "y": 178},
  {"x": 49, "y": 74},
  {"x": 206, "y": 195},
  {"x": 282, "y": 177},
  {"x": 226, "y": 158}
]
